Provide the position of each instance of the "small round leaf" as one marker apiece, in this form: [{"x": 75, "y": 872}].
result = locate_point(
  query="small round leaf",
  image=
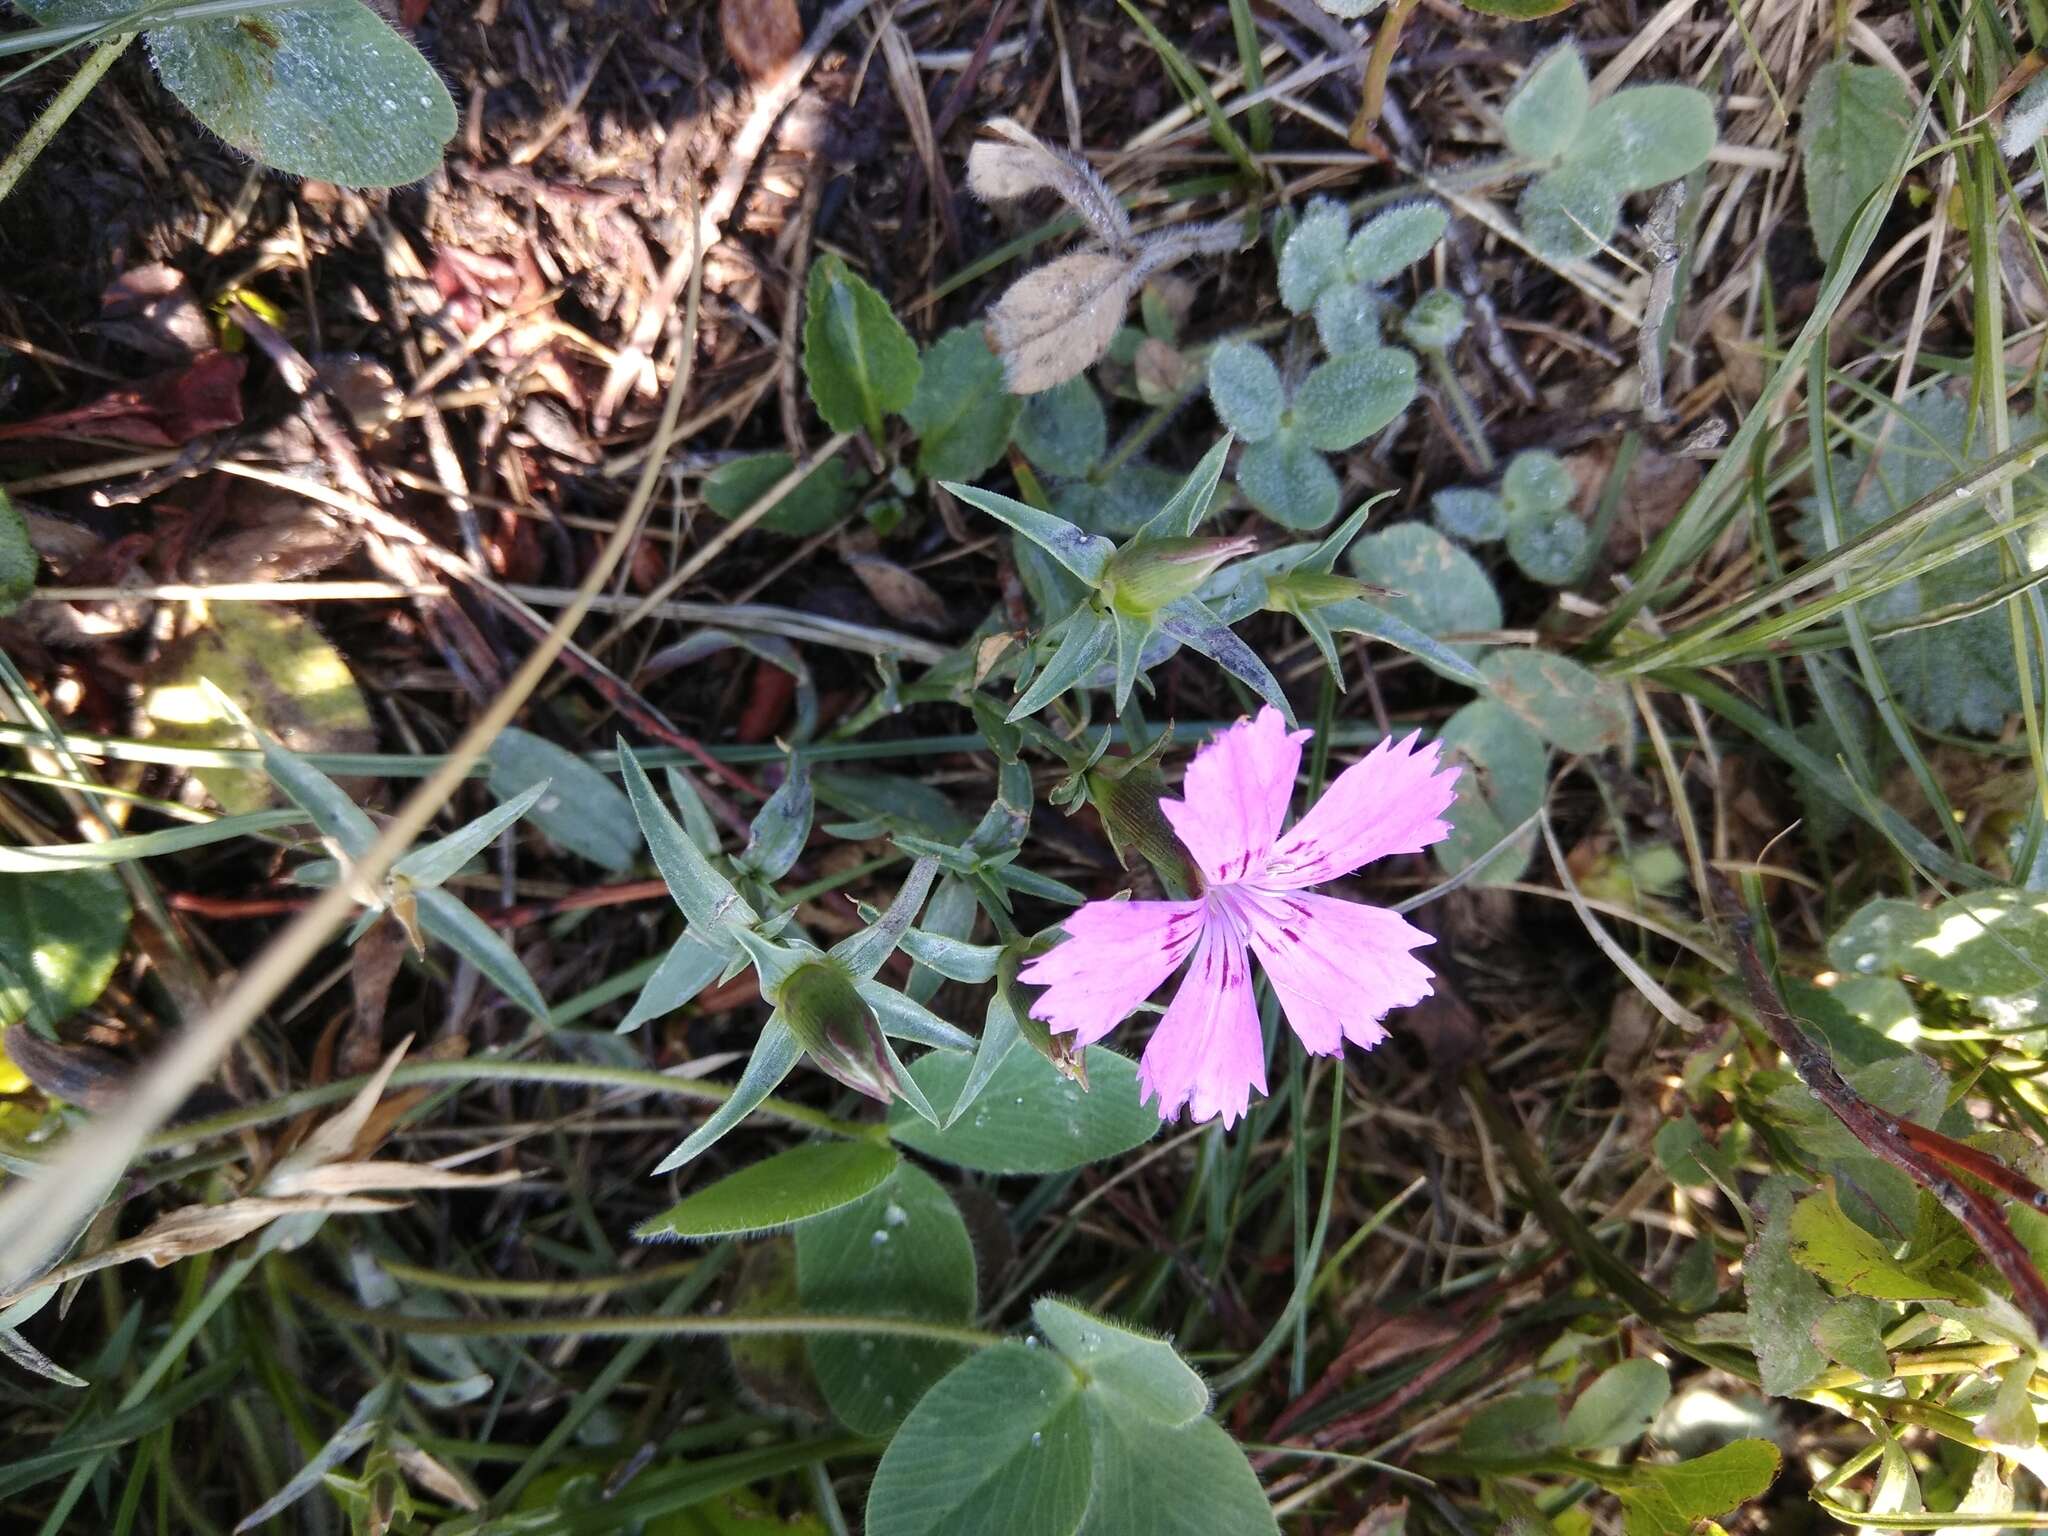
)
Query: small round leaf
[
  {"x": 1549, "y": 549},
  {"x": 1285, "y": 478},
  {"x": 1568, "y": 705},
  {"x": 1313, "y": 257},
  {"x": 1063, "y": 430},
  {"x": 1470, "y": 516},
  {"x": 1536, "y": 483},
  {"x": 1647, "y": 135},
  {"x": 1028, "y": 1118},
  {"x": 1348, "y": 319},
  {"x": 1439, "y": 588}
]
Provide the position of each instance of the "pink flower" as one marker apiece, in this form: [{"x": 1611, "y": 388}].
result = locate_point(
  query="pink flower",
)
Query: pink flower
[{"x": 1338, "y": 967}]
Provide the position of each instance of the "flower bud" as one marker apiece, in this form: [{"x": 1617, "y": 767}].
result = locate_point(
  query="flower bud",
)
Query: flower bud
[
  {"x": 1126, "y": 793},
  {"x": 1144, "y": 576},
  {"x": 1436, "y": 321},
  {"x": 837, "y": 1028},
  {"x": 1299, "y": 591}
]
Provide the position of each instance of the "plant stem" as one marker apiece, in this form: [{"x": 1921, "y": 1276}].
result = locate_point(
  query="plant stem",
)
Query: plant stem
[
  {"x": 54, "y": 116},
  {"x": 1461, "y": 404}
]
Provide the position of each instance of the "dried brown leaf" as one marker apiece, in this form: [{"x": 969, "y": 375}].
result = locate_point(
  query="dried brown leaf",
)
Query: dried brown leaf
[
  {"x": 1058, "y": 319},
  {"x": 905, "y": 596},
  {"x": 1026, "y": 164},
  {"x": 357, "y": 1178}
]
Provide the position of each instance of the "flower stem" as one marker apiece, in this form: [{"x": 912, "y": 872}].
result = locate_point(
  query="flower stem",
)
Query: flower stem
[
  {"x": 1461, "y": 404},
  {"x": 54, "y": 116}
]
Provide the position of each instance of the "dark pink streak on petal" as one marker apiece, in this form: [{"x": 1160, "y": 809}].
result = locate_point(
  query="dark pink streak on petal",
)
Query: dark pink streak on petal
[
  {"x": 1338, "y": 967},
  {"x": 1207, "y": 1054},
  {"x": 1390, "y": 801},
  {"x": 1237, "y": 792},
  {"x": 1115, "y": 956}
]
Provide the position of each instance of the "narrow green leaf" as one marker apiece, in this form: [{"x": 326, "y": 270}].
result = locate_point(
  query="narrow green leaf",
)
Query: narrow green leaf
[
  {"x": 1184, "y": 510},
  {"x": 1088, "y": 641},
  {"x": 776, "y": 1053},
  {"x": 687, "y": 969},
  {"x": 50, "y": 858},
  {"x": 787, "y": 1188},
  {"x": 1084, "y": 554},
  {"x": 776, "y": 837},
  {"x": 706, "y": 897},
  {"x": 907, "y": 1019},
  {"x": 436, "y": 862},
  {"x": 1195, "y": 627},
  {"x": 863, "y": 953},
  {"x": 1360, "y": 617},
  {"x": 448, "y": 920}
]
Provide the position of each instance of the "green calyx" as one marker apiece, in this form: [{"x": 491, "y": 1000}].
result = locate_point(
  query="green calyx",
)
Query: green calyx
[
  {"x": 1148, "y": 574},
  {"x": 837, "y": 1028}
]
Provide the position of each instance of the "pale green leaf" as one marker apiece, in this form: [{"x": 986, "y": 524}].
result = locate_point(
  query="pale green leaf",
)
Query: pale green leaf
[
  {"x": 1647, "y": 135},
  {"x": 1141, "y": 1371},
  {"x": 1312, "y": 260},
  {"x": 820, "y": 500},
  {"x": 1083, "y": 554},
  {"x": 775, "y": 1054},
  {"x": 17, "y": 558},
  {"x": 1672, "y": 1500},
  {"x": 1244, "y": 387},
  {"x": 1027, "y": 1118},
  {"x": 1536, "y": 483},
  {"x": 1619, "y": 1407},
  {"x": 999, "y": 1447},
  {"x": 1569, "y": 212},
  {"x": 1550, "y": 548},
  {"x": 1393, "y": 240},
  {"x": 1438, "y": 587},
  {"x": 476, "y": 941},
  {"x": 582, "y": 810},
  {"x": 1577, "y": 710},
  {"x": 1154, "y": 1481},
  {"x": 779, "y": 830},
  {"x": 437, "y": 862},
  {"x": 1852, "y": 126},
  {"x": 687, "y": 969},
  {"x": 1785, "y": 1301},
  {"x": 1346, "y": 400},
  {"x": 1285, "y": 478},
  {"x": 706, "y": 897},
  {"x": 901, "y": 1251},
  {"x": 1544, "y": 116},
  {"x": 1063, "y": 430},
  {"x": 1501, "y": 786},
  {"x": 1470, "y": 516}
]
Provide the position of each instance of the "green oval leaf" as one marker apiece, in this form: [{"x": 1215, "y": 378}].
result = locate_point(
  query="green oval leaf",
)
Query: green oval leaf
[
  {"x": 60, "y": 938},
  {"x": 1313, "y": 257},
  {"x": 901, "y": 1251},
  {"x": 1672, "y": 1500},
  {"x": 1347, "y": 399},
  {"x": 789, "y": 1187},
  {"x": 1536, "y": 483},
  {"x": 1501, "y": 787},
  {"x": 1548, "y": 108},
  {"x": 1568, "y": 705},
  {"x": 1570, "y": 212},
  {"x": 1063, "y": 430},
  {"x": 1244, "y": 387},
  {"x": 1000, "y": 1447},
  {"x": 582, "y": 809},
  {"x": 860, "y": 363},
  {"x": 1392, "y": 241},
  {"x": 1647, "y": 135},
  {"x": 1029, "y": 1119},
  {"x": 820, "y": 500},
  {"x": 1550, "y": 547},
  {"x": 1617, "y": 1409},
  {"x": 1285, "y": 478},
  {"x": 1154, "y": 1481},
  {"x": 1852, "y": 125},
  {"x": 1469, "y": 515},
  {"x": 326, "y": 89},
  {"x": 1438, "y": 587},
  {"x": 961, "y": 413}
]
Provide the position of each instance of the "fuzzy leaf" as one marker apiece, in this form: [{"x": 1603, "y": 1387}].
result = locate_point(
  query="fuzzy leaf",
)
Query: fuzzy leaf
[
  {"x": 1285, "y": 478},
  {"x": 1348, "y": 319},
  {"x": 1244, "y": 387},
  {"x": 1393, "y": 240},
  {"x": 1647, "y": 135},
  {"x": 787, "y": 1188},
  {"x": 1057, "y": 319},
  {"x": 326, "y": 90},
  {"x": 1347, "y": 399},
  {"x": 1438, "y": 587},
  {"x": 1312, "y": 260},
  {"x": 1470, "y": 516},
  {"x": 1536, "y": 483},
  {"x": 1550, "y": 547},
  {"x": 860, "y": 363},
  {"x": 1570, "y": 212},
  {"x": 1544, "y": 116}
]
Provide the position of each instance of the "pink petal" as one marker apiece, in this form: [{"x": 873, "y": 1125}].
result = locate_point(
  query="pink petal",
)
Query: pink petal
[
  {"x": 1237, "y": 790},
  {"x": 1207, "y": 1053},
  {"x": 1390, "y": 801},
  {"x": 1115, "y": 956},
  {"x": 1338, "y": 967}
]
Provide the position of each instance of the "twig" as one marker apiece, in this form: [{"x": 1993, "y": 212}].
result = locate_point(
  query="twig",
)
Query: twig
[{"x": 1660, "y": 239}]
